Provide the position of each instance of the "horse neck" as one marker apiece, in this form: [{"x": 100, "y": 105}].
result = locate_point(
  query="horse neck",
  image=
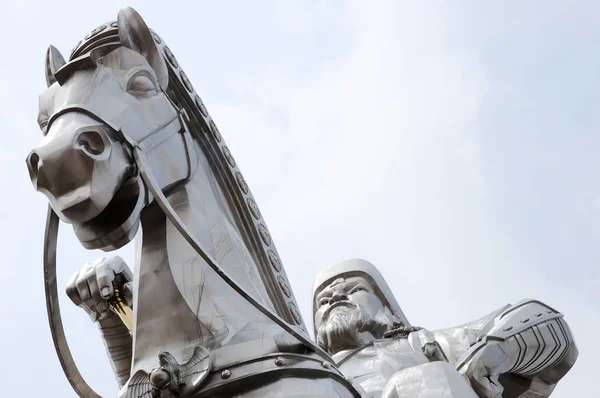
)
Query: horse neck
[{"x": 180, "y": 301}]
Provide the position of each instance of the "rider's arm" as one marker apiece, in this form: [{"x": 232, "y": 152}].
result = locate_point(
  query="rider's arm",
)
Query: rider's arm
[{"x": 119, "y": 345}]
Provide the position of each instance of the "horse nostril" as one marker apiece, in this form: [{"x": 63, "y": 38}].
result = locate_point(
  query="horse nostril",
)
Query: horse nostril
[
  {"x": 34, "y": 161},
  {"x": 91, "y": 142}
]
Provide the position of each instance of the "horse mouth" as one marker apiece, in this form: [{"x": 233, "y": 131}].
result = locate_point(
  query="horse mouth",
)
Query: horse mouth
[{"x": 115, "y": 225}]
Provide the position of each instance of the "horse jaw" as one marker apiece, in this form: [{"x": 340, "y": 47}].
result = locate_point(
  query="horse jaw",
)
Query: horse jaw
[{"x": 118, "y": 224}]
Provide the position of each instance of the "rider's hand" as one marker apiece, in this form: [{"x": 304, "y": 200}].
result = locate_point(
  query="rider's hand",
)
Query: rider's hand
[
  {"x": 94, "y": 285},
  {"x": 484, "y": 368}
]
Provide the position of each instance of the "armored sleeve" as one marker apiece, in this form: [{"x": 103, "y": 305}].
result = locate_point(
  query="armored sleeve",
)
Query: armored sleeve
[
  {"x": 119, "y": 346},
  {"x": 456, "y": 341},
  {"x": 539, "y": 339}
]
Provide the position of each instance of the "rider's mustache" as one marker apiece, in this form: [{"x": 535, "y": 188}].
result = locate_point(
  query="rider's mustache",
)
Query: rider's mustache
[{"x": 345, "y": 303}]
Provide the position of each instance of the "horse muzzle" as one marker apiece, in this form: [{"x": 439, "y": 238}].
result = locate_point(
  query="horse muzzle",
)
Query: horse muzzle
[{"x": 80, "y": 173}]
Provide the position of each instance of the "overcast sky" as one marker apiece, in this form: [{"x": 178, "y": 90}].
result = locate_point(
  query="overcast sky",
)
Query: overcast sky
[{"x": 454, "y": 145}]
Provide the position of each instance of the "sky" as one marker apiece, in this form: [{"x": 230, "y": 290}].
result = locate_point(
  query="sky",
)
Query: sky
[{"x": 452, "y": 144}]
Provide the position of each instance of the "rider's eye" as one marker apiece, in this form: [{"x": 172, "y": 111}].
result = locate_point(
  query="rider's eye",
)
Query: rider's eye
[
  {"x": 323, "y": 302},
  {"x": 359, "y": 289},
  {"x": 141, "y": 86}
]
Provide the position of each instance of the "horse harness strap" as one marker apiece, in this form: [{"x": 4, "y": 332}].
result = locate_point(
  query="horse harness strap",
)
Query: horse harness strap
[{"x": 179, "y": 124}]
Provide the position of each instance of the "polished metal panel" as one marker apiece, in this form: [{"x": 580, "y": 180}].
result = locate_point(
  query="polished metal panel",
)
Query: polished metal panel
[
  {"x": 128, "y": 143},
  {"x": 520, "y": 350}
]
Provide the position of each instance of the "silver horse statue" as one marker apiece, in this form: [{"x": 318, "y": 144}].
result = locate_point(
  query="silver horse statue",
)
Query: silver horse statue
[{"x": 207, "y": 310}]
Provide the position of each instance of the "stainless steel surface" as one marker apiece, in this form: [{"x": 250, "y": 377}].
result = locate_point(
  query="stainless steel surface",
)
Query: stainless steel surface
[
  {"x": 520, "y": 350},
  {"x": 128, "y": 142}
]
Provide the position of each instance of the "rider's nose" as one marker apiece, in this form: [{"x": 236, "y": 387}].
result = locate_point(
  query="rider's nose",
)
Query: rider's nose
[{"x": 338, "y": 295}]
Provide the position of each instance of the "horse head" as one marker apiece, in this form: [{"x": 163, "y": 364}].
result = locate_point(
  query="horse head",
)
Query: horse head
[{"x": 97, "y": 107}]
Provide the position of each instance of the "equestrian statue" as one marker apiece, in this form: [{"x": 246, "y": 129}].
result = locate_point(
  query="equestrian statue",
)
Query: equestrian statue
[{"x": 207, "y": 310}]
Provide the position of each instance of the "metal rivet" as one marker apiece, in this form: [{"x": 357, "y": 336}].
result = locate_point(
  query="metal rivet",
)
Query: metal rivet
[
  {"x": 350, "y": 380},
  {"x": 284, "y": 286},
  {"x": 170, "y": 57},
  {"x": 242, "y": 184},
  {"x": 295, "y": 312},
  {"x": 273, "y": 258},
  {"x": 252, "y": 204},
  {"x": 264, "y": 234},
  {"x": 215, "y": 131},
  {"x": 228, "y": 156},
  {"x": 186, "y": 81},
  {"x": 538, "y": 315},
  {"x": 525, "y": 320},
  {"x": 226, "y": 374},
  {"x": 280, "y": 361},
  {"x": 508, "y": 328},
  {"x": 200, "y": 105},
  {"x": 326, "y": 365}
]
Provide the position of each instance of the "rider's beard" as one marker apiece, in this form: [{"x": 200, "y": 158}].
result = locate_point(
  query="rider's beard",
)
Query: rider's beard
[{"x": 352, "y": 327}]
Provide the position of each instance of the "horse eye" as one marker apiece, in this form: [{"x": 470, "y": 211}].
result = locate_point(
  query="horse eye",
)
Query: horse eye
[{"x": 141, "y": 86}]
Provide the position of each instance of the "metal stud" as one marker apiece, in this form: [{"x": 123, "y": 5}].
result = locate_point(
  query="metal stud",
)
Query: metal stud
[
  {"x": 274, "y": 260},
  {"x": 295, "y": 313},
  {"x": 226, "y": 374},
  {"x": 326, "y": 365},
  {"x": 280, "y": 361},
  {"x": 284, "y": 286},
  {"x": 228, "y": 156},
  {"x": 264, "y": 234},
  {"x": 241, "y": 182},
  {"x": 186, "y": 82},
  {"x": 253, "y": 208},
  {"x": 170, "y": 57},
  {"x": 215, "y": 131},
  {"x": 200, "y": 105}
]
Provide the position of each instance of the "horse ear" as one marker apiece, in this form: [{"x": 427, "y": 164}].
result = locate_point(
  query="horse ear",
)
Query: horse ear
[
  {"x": 134, "y": 34},
  {"x": 54, "y": 61}
]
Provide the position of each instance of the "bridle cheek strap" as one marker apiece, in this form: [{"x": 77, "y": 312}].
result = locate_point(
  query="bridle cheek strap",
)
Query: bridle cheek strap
[{"x": 154, "y": 139}]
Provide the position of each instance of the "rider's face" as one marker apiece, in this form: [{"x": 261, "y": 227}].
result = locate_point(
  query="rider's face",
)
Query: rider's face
[{"x": 346, "y": 294}]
